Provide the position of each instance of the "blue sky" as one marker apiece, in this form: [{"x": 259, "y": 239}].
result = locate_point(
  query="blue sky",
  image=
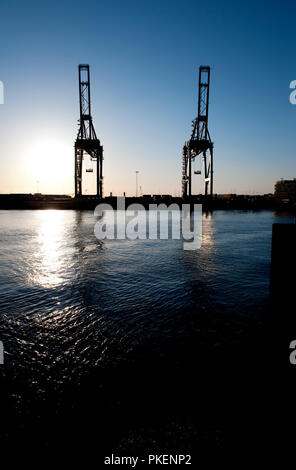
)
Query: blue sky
[{"x": 144, "y": 58}]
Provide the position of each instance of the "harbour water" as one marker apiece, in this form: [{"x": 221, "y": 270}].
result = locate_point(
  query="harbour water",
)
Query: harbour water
[{"x": 121, "y": 345}]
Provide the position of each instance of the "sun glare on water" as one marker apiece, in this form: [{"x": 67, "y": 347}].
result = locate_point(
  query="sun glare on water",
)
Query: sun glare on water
[{"x": 48, "y": 265}]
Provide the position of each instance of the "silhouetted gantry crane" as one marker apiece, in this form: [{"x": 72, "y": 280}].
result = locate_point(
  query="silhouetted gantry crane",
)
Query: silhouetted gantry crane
[
  {"x": 199, "y": 144},
  {"x": 87, "y": 141}
]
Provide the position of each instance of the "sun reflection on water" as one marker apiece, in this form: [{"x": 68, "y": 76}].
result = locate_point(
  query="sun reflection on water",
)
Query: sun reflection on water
[
  {"x": 49, "y": 257},
  {"x": 207, "y": 232}
]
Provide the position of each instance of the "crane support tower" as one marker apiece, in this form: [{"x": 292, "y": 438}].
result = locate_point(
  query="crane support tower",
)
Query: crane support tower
[
  {"x": 199, "y": 144},
  {"x": 87, "y": 142}
]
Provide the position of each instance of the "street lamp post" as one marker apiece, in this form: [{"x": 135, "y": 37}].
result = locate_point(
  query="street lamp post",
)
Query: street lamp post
[{"x": 137, "y": 172}]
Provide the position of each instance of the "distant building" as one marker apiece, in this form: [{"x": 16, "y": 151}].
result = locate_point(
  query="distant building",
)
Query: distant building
[
  {"x": 285, "y": 189},
  {"x": 227, "y": 196}
]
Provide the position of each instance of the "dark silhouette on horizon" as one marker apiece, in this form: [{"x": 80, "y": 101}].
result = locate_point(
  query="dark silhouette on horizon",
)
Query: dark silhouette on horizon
[{"x": 87, "y": 141}]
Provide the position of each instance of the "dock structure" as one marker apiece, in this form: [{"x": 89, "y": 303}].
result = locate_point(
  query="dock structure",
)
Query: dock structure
[{"x": 283, "y": 262}]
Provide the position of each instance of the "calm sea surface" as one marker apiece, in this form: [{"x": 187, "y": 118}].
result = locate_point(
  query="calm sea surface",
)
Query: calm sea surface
[{"x": 84, "y": 323}]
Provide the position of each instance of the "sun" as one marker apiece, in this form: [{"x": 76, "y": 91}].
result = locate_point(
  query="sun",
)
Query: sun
[{"x": 50, "y": 165}]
